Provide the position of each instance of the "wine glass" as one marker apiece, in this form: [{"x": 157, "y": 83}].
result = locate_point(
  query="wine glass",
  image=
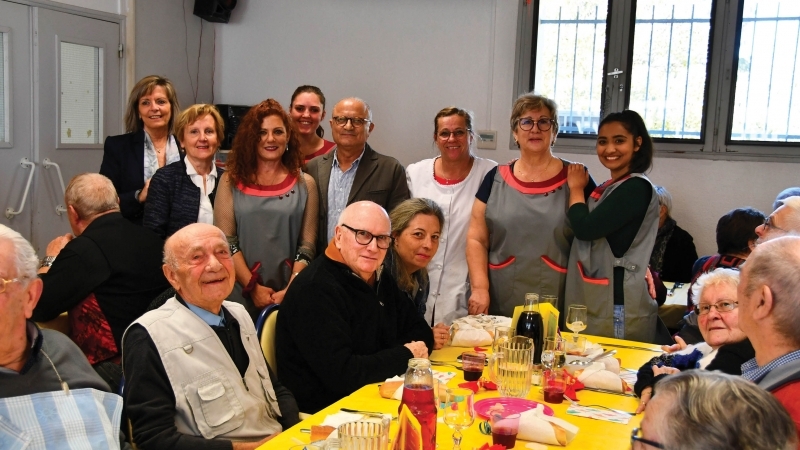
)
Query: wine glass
[
  {"x": 576, "y": 320},
  {"x": 459, "y": 412}
]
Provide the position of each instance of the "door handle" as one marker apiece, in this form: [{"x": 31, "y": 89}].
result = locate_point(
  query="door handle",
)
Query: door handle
[
  {"x": 48, "y": 164},
  {"x": 24, "y": 162}
]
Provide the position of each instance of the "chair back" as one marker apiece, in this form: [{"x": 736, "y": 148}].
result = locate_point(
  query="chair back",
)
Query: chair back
[{"x": 265, "y": 328}]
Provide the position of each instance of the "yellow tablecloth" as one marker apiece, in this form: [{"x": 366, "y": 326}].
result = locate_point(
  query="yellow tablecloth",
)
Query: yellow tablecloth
[{"x": 593, "y": 434}]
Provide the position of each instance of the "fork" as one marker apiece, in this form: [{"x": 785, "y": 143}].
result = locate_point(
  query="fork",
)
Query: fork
[{"x": 574, "y": 403}]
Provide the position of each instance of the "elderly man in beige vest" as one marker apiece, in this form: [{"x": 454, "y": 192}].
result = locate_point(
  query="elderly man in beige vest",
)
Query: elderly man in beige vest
[{"x": 196, "y": 375}]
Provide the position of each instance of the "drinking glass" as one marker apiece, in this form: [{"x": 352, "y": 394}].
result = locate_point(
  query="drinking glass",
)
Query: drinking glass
[
  {"x": 364, "y": 435},
  {"x": 554, "y": 353},
  {"x": 504, "y": 429},
  {"x": 576, "y": 320},
  {"x": 552, "y": 299},
  {"x": 554, "y": 385},
  {"x": 472, "y": 363},
  {"x": 501, "y": 334},
  {"x": 459, "y": 412}
]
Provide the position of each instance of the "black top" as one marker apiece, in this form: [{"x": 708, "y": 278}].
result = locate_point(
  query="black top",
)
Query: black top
[
  {"x": 123, "y": 164},
  {"x": 173, "y": 200},
  {"x": 335, "y": 333},
  {"x": 150, "y": 400},
  {"x": 617, "y": 219},
  {"x": 679, "y": 257},
  {"x": 117, "y": 261}
]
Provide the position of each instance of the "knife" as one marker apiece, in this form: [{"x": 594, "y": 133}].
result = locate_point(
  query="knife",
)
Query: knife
[
  {"x": 367, "y": 413},
  {"x": 606, "y": 391}
]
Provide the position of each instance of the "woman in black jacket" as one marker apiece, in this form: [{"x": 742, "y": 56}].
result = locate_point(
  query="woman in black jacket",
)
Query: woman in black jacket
[
  {"x": 183, "y": 192},
  {"x": 131, "y": 159}
]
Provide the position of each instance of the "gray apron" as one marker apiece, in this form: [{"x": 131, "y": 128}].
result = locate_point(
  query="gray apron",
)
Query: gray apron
[
  {"x": 529, "y": 241},
  {"x": 268, "y": 224},
  {"x": 590, "y": 280}
]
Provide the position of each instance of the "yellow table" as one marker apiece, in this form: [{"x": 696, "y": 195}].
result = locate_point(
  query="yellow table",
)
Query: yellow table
[{"x": 593, "y": 434}]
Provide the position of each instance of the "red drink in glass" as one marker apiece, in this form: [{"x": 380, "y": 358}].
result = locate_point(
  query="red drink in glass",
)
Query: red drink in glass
[
  {"x": 420, "y": 402},
  {"x": 504, "y": 436}
]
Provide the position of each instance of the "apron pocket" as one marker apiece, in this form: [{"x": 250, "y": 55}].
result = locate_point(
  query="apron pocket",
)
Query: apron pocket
[
  {"x": 552, "y": 264},
  {"x": 504, "y": 264},
  {"x": 591, "y": 280}
]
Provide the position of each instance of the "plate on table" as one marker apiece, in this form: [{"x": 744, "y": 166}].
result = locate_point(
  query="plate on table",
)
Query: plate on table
[{"x": 511, "y": 405}]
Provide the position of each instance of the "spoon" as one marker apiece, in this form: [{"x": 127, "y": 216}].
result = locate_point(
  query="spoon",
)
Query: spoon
[{"x": 586, "y": 362}]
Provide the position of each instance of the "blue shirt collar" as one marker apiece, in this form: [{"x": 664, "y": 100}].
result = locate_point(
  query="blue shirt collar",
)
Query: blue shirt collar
[{"x": 214, "y": 320}]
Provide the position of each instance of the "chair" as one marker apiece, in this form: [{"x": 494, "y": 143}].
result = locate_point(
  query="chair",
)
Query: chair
[{"x": 265, "y": 330}]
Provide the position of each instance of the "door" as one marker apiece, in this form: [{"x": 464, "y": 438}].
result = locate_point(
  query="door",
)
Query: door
[
  {"x": 16, "y": 138},
  {"x": 78, "y": 105}
]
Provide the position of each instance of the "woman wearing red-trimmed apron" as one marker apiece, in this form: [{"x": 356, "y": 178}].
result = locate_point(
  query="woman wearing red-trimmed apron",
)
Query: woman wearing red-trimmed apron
[
  {"x": 614, "y": 234},
  {"x": 519, "y": 238}
]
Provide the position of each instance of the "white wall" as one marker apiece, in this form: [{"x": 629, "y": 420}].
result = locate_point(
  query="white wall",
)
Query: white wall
[
  {"x": 410, "y": 58},
  {"x": 109, "y": 6}
]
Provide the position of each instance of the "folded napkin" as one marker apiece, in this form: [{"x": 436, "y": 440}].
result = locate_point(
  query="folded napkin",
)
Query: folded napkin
[
  {"x": 596, "y": 376},
  {"x": 535, "y": 426}
]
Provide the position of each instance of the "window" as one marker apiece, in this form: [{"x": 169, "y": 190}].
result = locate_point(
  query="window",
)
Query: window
[
  {"x": 81, "y": 94},
  {"x": 710, "y": 77}
]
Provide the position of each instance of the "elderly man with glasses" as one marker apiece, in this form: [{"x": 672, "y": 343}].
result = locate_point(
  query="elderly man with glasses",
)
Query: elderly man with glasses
[
  {"x": 353, "y": 171},
  {"x": 344, "y": 323},
  {"x": 784, "y": 220}
]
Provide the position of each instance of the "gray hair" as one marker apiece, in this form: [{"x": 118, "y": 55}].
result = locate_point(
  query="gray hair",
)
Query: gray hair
[
  {"x": 716, "y": 277},
  {"x": 356, "y": 99},
  {"x": 178, "y": 241},
  {"x": 793, "y": 217},
  {"x": 91, "y": 194},
  {"x": 774, "y": 264},
  {"x": 788, "y": 192},
  {"x": 664, "y": 198},
  {"x": 713, "y": 410},
  {"x": 25, "y": 260}
]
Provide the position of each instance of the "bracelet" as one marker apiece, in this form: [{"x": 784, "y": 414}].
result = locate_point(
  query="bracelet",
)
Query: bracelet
[
  {"x": 47, "y": 261},
  {"x": 136, "y": 195},
  {"x": 234, "y": 249},
  {"x": 303, "y": 258}
]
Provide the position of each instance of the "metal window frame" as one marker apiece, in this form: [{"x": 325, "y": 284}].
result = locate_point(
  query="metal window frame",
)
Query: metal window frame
[
  {"x": 720, "y": 84},
  {"x": 101, "y": 49},
  {"x": 6, "y": 87}
]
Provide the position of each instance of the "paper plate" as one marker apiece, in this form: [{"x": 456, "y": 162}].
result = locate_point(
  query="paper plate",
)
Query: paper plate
[{"x": 511, "y": 405}]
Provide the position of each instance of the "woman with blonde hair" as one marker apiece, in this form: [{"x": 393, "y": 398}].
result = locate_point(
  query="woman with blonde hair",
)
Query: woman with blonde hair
[
  {"x": 183, "y": 192},
  {"x": 131, "y": 159},
  {"x": 416, "y": 231}
]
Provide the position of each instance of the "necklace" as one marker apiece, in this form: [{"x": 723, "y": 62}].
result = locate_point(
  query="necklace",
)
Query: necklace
[
  {"x": 524, "y": 176},
  {"x": 455, "y": 180}
]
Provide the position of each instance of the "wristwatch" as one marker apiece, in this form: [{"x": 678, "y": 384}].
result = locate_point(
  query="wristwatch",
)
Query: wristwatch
[
  {"x": 47, "y": 261},
  {"x": 136, "y": 194}
]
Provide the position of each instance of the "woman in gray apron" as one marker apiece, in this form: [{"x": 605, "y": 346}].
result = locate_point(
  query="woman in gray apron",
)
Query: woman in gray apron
[
  {"x": 267, "y": 207},
  {"x": 519, "y": 238},
  {"x": 614, "y": 234}
]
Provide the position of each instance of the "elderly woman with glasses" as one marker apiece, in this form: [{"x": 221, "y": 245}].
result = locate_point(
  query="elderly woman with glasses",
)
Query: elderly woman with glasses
[
  {"x": 725, "y": 347},
  {"x": 519, "y": 237}
]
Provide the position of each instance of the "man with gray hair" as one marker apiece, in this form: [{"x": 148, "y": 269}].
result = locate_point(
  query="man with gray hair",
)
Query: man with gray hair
[
  {"x": 104, "y": 274},
  {"x": 785, "y": 219},
  {"x": 769, "y": 314},
  {"x": 195, "y": 373},
  {"x": 353, "y": 171},
  {"x": 42, "y": 368}
]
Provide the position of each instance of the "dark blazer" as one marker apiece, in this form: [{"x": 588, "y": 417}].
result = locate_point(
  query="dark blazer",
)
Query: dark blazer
[
  {"x": 379, "y": 178},
  {"x": 679, "y": 257},
  {"x": 123, "y": 164},
  {"x": 173, "y": 200}
]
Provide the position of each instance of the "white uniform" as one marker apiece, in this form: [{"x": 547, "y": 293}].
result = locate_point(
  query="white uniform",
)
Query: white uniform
[{"x": 447, "y": 271}]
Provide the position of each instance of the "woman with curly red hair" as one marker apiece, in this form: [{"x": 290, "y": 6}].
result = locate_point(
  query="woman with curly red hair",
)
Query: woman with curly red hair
[{"x": 267, "y": 207}]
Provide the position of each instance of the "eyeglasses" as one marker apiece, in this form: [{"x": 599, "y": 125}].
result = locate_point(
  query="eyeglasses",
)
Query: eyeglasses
[
  {"x": 635, "y": 437},
  {"x": 458, "y": 134},
  {"x": 356, "y": 121},
  {"x": 543, "y": 124},
  {"x": 364, "y": 237},
  {"x": 768, "y": 224},
  {"x": 5, "y": 282},
  {"x": 705, "y": 308}
]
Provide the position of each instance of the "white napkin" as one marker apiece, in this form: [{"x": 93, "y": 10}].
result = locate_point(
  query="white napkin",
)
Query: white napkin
[
  {"x": 596, "y": 376},
  {"x": 535, "y": 426},
  {"x": 472, "y": 331}
]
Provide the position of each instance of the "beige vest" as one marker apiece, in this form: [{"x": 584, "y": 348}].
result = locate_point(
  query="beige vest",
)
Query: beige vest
[{"x": 211, "y": 399}]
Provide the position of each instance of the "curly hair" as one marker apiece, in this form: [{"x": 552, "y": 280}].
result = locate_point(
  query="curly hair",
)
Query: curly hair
[{"x": 243, "y": 158}]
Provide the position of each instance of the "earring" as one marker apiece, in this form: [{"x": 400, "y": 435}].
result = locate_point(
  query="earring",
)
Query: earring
[{"x": 286, "y": 149}]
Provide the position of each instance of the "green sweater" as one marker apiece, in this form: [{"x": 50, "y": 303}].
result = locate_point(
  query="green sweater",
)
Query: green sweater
[{"x": 617, "y": 219}]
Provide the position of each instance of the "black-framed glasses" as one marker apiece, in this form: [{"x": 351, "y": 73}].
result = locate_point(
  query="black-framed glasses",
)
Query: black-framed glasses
[
  {"x": 458, "y": 134},
  {"x": 357, "y": 122},
  {"x": 705, "y": 308},
  {"x": 364, "y": 237},
  {"x": 5, "y": 283},
  {"x": 635, "y": 436},
  {"x": 526, "y": 123},
  {"x": 769, "y": 224}
]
